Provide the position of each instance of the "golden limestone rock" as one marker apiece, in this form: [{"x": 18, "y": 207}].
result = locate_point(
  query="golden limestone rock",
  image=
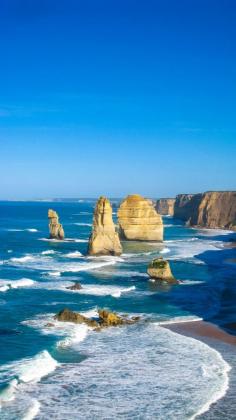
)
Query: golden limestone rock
[
  {"x": 105, "y": 319},
  {"x": 56, "y": 230},
  {"x": 212, "y": 209},
  {"x": 159, "y": 269},
  {"x": 104, "y": 239},
  {"x": 138, "y": 219}
]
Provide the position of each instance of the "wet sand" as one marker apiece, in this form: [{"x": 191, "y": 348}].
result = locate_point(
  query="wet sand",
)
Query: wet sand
[{"x": 198, "y": 329}]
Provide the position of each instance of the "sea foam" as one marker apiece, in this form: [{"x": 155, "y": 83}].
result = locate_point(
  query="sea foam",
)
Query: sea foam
[
  {"x": 15, "y": 284},
  {"x": 177, "y": 361}
]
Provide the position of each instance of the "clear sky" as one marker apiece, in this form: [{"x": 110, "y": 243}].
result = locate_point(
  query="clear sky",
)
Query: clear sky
[{"x": 115, "y": 97}]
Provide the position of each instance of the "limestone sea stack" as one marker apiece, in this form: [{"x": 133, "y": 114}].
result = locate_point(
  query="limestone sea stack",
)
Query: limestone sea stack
[
  {"x": 56, "y": 230},
  {"x": 138, "y": 220},
  {"x": 159, "y": 269},
  {"x": 104, "y": 239},
  {"x": 165, "y": 206}
]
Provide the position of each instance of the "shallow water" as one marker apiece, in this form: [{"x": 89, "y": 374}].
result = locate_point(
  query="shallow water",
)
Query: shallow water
[{"x": 142, "y": 371}]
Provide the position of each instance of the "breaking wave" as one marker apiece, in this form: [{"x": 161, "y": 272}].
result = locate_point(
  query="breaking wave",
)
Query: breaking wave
[{"x": 15, "y": 284}]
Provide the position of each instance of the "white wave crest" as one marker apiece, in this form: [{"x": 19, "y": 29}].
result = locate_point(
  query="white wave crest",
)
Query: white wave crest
[
  {"x": 72, "y": 333},
  {"x": 26, "y": 258},
  {"x": 76, "y": 334},
  {"x": 179, "y": 320},
  {"x": 53, "y": 273},
  {"x": 165, "y": 251},
  {"x": 82, "y": 224},
  {"x": 35, "y": 368},
  {"x": 15, "y": 284},
  {"x": 32, "y": 411},
  {"x": 48, "y": 252},
  {"x": 75, "y": 254},
  {"x": 93, "y": 289},
  {"x": 7, "y": 394}
]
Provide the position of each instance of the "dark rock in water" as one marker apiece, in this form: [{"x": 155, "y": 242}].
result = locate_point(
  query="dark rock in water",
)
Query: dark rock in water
[
  {"x": 105, "y": 319},
  {"x": 76, "y": 286},
  {"x": 49, "y": 324},
  {"x": 69, "y": 316}
]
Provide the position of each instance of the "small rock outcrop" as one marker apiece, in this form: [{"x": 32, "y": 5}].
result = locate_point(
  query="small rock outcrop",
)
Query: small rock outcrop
[
  {"x": 165, "y": 206},
  {"x": 105, "y": 319},
  {"x": 104, "y": 239},
  {"x": 65, "y": 315},
  {"x": 159, "y": 269},
  {"x": 138, "y": 220},
  {"x": 76, "y": 286},
  {"x": 56, "y": 230},
  {"x": 212, "y": 209}
]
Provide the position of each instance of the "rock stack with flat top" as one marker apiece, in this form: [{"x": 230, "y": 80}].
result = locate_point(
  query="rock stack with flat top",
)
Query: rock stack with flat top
[
  {"x": 138, "y": 220},
  {"x": 56, "y": 230},
  {"x": 104, "y": 239}
]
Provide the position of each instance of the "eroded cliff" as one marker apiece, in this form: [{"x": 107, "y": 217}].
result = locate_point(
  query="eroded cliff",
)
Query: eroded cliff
[
  {"x": 165, "y": 206},
  {"x": 212, "y": 209}
]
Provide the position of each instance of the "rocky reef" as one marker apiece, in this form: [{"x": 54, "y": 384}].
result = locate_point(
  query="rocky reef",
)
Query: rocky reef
[
  {"x": 159, "y": 269},
  {"x": 212, "y": 209},
  {"x": 75, "y": 286},
  {"x": 56, "y": 230},
  {"x": 105, "y": 319},
  {"x": 138, "y": 220},
  {"x": 104, "y": 239},
  {"x": 165, "y": 206}
]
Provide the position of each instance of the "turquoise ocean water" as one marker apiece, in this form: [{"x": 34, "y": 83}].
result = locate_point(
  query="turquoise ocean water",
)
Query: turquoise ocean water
[{"x": 143, "y": 371}]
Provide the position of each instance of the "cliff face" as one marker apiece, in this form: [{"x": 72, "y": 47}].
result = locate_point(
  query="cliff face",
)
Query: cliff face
[
  {"x": 104, "y": 239},
  {"x": 139, "y": 220},
  {"x": 214, "y": 209},
  {"x": 56, "y": 230},
  {"x": 185, "y": 205},
  {"x": 165, "y": 206}
]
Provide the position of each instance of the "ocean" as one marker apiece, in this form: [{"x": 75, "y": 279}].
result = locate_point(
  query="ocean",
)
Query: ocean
[{"x": 141, "y": 371}]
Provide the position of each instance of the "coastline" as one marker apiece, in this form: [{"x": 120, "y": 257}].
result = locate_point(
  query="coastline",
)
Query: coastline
[
  {"x": 224, "y": 404},
  {"x": 202, "y": 329}
]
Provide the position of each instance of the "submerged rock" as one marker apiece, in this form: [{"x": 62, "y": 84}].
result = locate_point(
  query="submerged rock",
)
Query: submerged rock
[
  {"x": 159, "y": 269},
  {"x": 138, "y": 220},
  {"x": 56, "y": 230},
  {"x": 105, "y": 319},
  {"x": 76, "y": 286},
  {"x": 104, "y": 239}
]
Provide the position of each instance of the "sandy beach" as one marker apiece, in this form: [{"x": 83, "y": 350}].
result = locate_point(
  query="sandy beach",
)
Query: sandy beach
[{"x": 200, "y": 329}]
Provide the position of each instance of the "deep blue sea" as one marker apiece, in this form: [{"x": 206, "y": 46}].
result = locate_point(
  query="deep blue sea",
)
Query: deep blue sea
[{"x": 142, "y": 371}]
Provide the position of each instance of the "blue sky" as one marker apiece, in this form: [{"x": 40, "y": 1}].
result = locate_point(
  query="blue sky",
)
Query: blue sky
[{"x": 117, "y": 97}]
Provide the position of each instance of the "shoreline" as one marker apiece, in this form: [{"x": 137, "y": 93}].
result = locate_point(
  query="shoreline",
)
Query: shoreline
[
  {"x": 202, "y": 329},
  {"x": 223, "y": 343}
]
